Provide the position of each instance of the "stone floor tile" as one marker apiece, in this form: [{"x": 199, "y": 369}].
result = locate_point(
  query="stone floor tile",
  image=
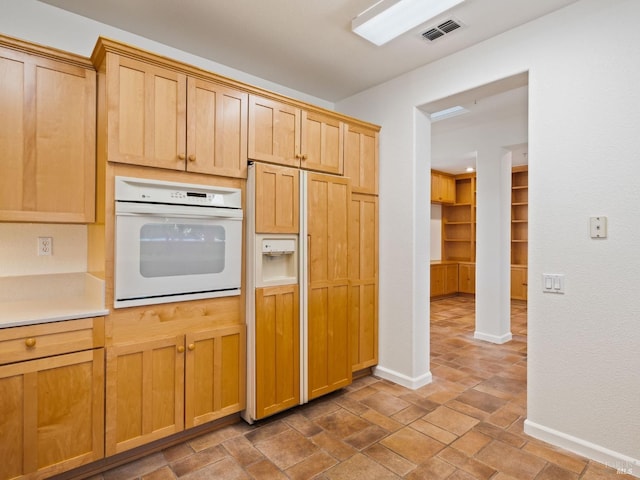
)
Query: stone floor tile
[
  {"x": 312, "y": 466},
  {"x": 333, "y": 446},
  {"x": 389, "y": 459},
  {"x": 225, "y": 469},
  {"x": 433, "y": 431},
  {"x": 198, "y": 460},
  {"x": 137, "y": 468},
  {"x": 366, "y": 437},
  {"x": 360, "y": 467},
  {"x": 451, "y": 420},
  {"x": 286, "y": 449},
  {"x": 177, "y": 452},
  {"x": 302, "y": 424},
  {"x": 342, "y": 423},
  {"x": 412, "y": 445},
  {"x": 242, "y": 450},
  {"x": 432, "y": 469},
  {"x": 471, "y": 442},
  {"x": 265, "y": 470},
  {"x": 385, "y": 403},
  {"x": 554, "y": 472},
  {"x": 505, "y": 458},
  {"x": 164, "y": 473},
  {"x": 568, "y": 461}
]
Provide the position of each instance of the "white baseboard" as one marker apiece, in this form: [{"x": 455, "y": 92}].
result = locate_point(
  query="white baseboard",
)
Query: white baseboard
[
  {"x": 492, "y": 338},
  {"x": 410, "y": 382},
  {"x": 622, "y": 463}
]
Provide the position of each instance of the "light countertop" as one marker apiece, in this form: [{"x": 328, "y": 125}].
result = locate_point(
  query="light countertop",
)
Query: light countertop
[{"x": 32, "y": 299}]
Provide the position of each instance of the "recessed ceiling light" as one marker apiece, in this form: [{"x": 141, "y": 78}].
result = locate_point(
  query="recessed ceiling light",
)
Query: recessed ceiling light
[
  {"x": 447, "y": 113},
  {"x": 471, "y": 169},
  {"x": 388, "y": 19}
]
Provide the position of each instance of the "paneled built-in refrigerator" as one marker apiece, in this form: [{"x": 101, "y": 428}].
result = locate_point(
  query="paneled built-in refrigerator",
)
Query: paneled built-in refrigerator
[{"x": 297, "y": 287}]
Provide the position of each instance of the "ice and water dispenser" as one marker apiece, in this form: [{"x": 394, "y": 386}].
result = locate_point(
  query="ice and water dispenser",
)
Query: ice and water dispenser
[{"x": 276, "y": 260}]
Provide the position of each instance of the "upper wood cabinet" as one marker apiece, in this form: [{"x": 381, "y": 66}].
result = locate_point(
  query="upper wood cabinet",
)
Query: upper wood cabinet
[
  {"x": 277, "y": 199},
  {"x": 361, "y": 158},
  {"x": 443, "y": 187},
  {"x": 47, "y": 135},
  {"x": 161, "y": 116},
  {"x": 287, "y": 135}
]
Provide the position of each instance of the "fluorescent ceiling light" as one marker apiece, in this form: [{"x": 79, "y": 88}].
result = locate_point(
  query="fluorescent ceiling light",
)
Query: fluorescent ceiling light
[
  {"x": 388, "y": 19},
  {"x": 448, "y": 113}
]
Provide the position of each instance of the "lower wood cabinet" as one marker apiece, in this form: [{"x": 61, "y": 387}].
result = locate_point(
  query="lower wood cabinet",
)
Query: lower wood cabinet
[
  {"x": 158, "y": 387},
  {"x": 519, "y": 283},
  {"x": 444, "y": 279},
  {"x": 51, "y": 414},
  {"x": 277, "y": 349},
  {"x": 467, "y": 278}
]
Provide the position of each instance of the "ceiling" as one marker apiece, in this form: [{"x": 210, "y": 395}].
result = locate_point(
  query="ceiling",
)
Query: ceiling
[{"x": 304, "y": 45}]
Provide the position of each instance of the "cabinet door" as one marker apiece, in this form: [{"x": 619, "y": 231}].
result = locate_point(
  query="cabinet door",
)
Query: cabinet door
[
  {"x": 329, "y": 359},
  {"x": 437, "y": 280},
  {"x": 274, "y": 132},
  {"x": 47, "y": 140},
  {"x": 145, "y": 392},
  {"x": 451, "y": 279},
  {"x": 146, "y": 114},
  {"x": 363, "y": 273},
  {"x": 321, "y": 145},
  {"x": 519, "y": 283},
  {"x": 443, "y": 188},
  {"x": 467, "y": 278},
  {"x": 51, "y": 414},
  {"x": 361, "y": 159},
  {"x": 215, "y": 374},
  {"x": 277, "y": 349},
  {"x": 216, "y": 129},
  {"x": 277, "y": 199}
]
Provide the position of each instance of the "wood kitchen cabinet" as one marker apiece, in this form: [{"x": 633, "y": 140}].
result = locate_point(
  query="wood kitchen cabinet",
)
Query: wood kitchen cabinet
[
  {"x": 287, "y": 135},
  {"x": 161, "y": 116},
  {"x": 444, "y": 279},
  {"x": 467, "y": 277},
  {"x": 47, "y": 135},
  {"x": 329, "y": 356},
  {"x": 519, "y": 283},
  {"x": 363, "y": 272},
  {"x": 443, "y": 187},
  {"x": 361, "y": 158},
  {"x": 277, "y": 199},
  {"x": 277, "y": 346},
  {"x": 52, "y": 408},
  {"x": 160, "y": 386}
]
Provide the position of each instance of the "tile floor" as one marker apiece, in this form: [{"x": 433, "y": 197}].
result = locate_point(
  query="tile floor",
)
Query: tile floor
[{"x": 467, "y": 424}]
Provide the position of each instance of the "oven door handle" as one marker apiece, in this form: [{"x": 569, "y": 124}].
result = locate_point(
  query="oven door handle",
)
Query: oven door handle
[{"x": 182, "y": 211}]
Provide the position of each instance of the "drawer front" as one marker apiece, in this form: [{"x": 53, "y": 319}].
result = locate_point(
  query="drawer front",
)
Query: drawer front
[{"x": 36, "y": 341}]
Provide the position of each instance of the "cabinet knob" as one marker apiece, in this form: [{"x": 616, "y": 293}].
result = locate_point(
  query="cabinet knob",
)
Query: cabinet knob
[
  {"x": 180, "y": 348},
  {"x": 191, "y": 347},
  {"x": 192, "y": 158},
  {"x": 181, "y": 156},
  {"x": 304, "y": 156},
  {"x": 30, "y": 342},
  {"x": 298, "y": 156}
]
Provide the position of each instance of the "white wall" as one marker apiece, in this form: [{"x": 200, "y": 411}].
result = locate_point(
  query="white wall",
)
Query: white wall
[
  {"x": 583, "y": 384},
  {"x": 435, "y": 228}
]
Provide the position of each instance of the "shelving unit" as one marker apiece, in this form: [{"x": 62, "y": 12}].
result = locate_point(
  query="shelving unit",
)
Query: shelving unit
[
  {"x": 519, "y": 231},
  {"x": 459, "y": 223}
]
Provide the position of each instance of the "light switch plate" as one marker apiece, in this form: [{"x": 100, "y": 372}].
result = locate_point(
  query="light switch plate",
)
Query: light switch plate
[{"x": 553, "y": 283}]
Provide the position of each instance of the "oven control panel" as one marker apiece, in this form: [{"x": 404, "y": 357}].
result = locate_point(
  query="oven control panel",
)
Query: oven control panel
[{"x": 129, "y": 189}]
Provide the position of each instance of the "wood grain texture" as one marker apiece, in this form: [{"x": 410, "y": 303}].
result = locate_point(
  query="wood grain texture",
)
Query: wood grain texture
[
  {"x": 277, "y": 199},
  {"x": 361, "y": 158}
]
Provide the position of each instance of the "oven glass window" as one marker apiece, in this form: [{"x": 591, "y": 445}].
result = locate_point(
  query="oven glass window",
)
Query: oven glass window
[{"x": 169, "y": 249}]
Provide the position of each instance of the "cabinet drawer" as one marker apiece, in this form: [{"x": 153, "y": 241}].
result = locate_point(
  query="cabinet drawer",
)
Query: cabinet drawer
[{"x": 43, "y": 340}]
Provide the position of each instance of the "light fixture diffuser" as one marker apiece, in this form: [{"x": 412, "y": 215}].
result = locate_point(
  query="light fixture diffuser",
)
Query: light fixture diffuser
[{"x": 388, "y": 19}]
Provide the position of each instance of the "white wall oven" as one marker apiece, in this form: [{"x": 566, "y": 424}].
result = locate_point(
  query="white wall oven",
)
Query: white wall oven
[{"x": 175, "y": 241}]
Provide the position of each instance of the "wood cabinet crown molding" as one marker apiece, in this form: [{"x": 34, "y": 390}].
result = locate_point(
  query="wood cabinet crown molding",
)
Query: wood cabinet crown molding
[
  {"x": 45, "y": 51},
  {"x": 106, "y": 45}
]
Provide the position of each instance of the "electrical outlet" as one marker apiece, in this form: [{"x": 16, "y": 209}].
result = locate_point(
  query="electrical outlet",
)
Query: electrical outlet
[{"x": 45, "y": 246}]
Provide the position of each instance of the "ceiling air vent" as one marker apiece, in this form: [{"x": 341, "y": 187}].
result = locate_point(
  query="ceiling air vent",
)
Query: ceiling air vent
[{"x": 445, "y": 27}]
